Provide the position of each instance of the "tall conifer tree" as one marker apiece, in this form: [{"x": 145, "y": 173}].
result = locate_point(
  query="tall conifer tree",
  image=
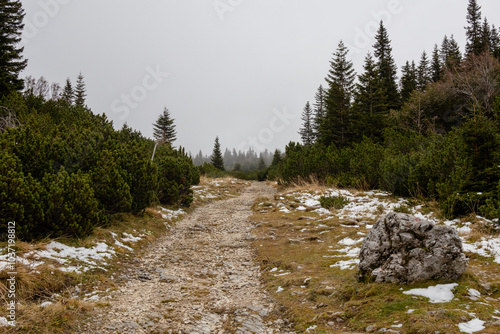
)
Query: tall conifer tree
[
  {"x": 424, "y": 76},
  {"x": 335, "y": 127},
  {"x": 217, "y": 159},
  {"x": 409, "y": 80},
  {"x": 164, "y": 128},
  {"x": 11, "y": 59},
  {"x": 307, "y": 131},
  {"x": 68, "y": 94},
  {"x": 387, "y": 67},
  {"x": 369, "y": 108},
  {"x": 80, "y": 91},
  {"x": 319, "y": 111},
  {"x": 436, "y": 66},
  {"x": 474, "y": 30}
]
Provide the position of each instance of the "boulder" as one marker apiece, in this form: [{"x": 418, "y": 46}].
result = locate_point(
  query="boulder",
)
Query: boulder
[{"x": 403, "y": 249}]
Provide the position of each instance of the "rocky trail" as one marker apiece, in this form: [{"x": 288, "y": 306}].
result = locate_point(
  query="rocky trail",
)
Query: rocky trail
[{"x": 200, "y": 277}]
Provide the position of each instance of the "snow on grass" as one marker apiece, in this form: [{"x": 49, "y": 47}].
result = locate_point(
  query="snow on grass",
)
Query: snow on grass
[
  {"x": 346, "y": 265},
  {"x": 485, "y": 247},
  {"x": 4, "y": 322},
  {"x": 92, "y": 257},
  {"x": 475, "y": 325},
  {"x": 365, "y": 204},
  {"x": 441, "y": 293},
  {"x": 349, "y": 242},
  {"x": 171, "y": 214}
]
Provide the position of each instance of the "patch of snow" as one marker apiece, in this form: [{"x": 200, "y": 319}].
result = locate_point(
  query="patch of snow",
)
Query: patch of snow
[
  {"x": 475, "y": 325},
  {"x": 311, "y": 328},
  {"x": 285, "y": 210},
  {"x": 410, "y": 311},
  {"x": 273, "y": 270},
  {"x": 4, "y": 322},
  {"x": 119, "y": 244},
  {"x": 280, "y": 289},
  {"x": 346, "y": 265},
  {"x": 63, "y": 253},
  {"x": 349, "y": 241},
  {"x": 301, "y": 208},
  {"x": 441, "y": 293},
  {"x": 45, "y": 304},
  {"x": 485, "y": 247},
  {"x": 171, "y": 214},
  {"x": 474, "y": 293}
]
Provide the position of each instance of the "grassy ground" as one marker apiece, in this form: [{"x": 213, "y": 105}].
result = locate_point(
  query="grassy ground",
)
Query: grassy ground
[
  {"x": 300, "y": 253},
  {"x": 72, "y": 294}
]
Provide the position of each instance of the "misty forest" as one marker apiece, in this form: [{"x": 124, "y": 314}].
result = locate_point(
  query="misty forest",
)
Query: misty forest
[{"x": 428, "y": 132}]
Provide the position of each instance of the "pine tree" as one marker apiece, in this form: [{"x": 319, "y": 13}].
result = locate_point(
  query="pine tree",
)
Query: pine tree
[
  {"x": 369, "y": 108},
  {"x": 335, "y": 126},
  {"x": 454, "y": 56},
  {"x": 319, "y": 111},
  {"x": 495, "y": 42},
  {"x": 80, "y": 91},
  {"x": 408, "y": 80},
  {"x": 277, "y": 158},
  {"x": 423, "y": 72},
  {"x": 11, "y": 59},
  {"x": 387, "y": 67},
  {"x": 217, "y": 159},
  {"x": 450, "y": 54},
  {"x": 262, "y": 163},
  {"x": 474, "y": 30},
  {"x": 68, "y": 94},
  {"x": 486, "y": 36},
  {"x": 164, "y": 128},
  {"x": 307, "y": 131},
  {"x": 436, "y": 66}
]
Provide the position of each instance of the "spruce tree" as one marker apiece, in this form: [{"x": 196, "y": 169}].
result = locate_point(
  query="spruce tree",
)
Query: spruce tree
[
  {"x": 387, "y": 67},
  {"x": 262, "y": 163},
  {"x": 409, "y": 80},
  {"x": 217, "y": 160},
  {"x": 436, "y": 66},
  {"x": 474, "y": 30},
  {"x": 68, "y": 94},
  {"x": 369, "y": 108},
  {"x": 11, "y": 59},
  {"x": 164, "y": 128},
  {"x": 450, "y": 54},
  {"x": 277, "y": 158},
  {"x": 80, "y": 91},
  {"x": 423, "y": 72},
  {"x": 495, "y": 42},
  {"x": 307, "y": 130},
  {"x": 486, "y": 35},
  {"x": 319, "y": 111},
  {"x": 335, "y": 127}
]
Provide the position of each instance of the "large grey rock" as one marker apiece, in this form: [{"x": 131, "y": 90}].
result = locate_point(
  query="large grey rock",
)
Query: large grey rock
[{"x": 402, "y": 249}]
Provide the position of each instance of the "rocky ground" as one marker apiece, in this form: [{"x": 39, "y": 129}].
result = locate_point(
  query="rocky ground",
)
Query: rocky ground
[{"x": 201, "y": 277}]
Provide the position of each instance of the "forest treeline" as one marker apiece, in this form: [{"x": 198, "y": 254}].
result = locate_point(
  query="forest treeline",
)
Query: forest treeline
[
  {"x": 64, "y": 170},
  {"x": 434, "y": 134}
]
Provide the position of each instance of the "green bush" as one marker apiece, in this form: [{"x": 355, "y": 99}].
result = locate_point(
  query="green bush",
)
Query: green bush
[
  {"x": 336, "y": 202},
  {"x": 69, "y": 205}
]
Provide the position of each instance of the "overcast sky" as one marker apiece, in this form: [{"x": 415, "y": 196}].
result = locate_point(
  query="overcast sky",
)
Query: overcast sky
[{"x": 238, "y": 69}]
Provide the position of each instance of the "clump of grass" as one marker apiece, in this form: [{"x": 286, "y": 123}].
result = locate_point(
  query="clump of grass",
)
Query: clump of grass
[
  {"x": 403, "y": 209},
  {"x": 336, "y": 202}
]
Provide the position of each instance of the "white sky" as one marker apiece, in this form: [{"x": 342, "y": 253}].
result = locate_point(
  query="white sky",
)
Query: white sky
[{"x": 237, "y": 69}]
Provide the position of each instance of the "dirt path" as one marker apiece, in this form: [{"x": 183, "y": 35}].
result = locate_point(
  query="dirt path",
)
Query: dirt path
[{"x": 199, "y": 278}]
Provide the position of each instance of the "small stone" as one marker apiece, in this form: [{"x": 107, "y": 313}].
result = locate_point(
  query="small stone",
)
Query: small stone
[
  {"x": 168, "y": 279},
  {"x": 371, "y": 328}
]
